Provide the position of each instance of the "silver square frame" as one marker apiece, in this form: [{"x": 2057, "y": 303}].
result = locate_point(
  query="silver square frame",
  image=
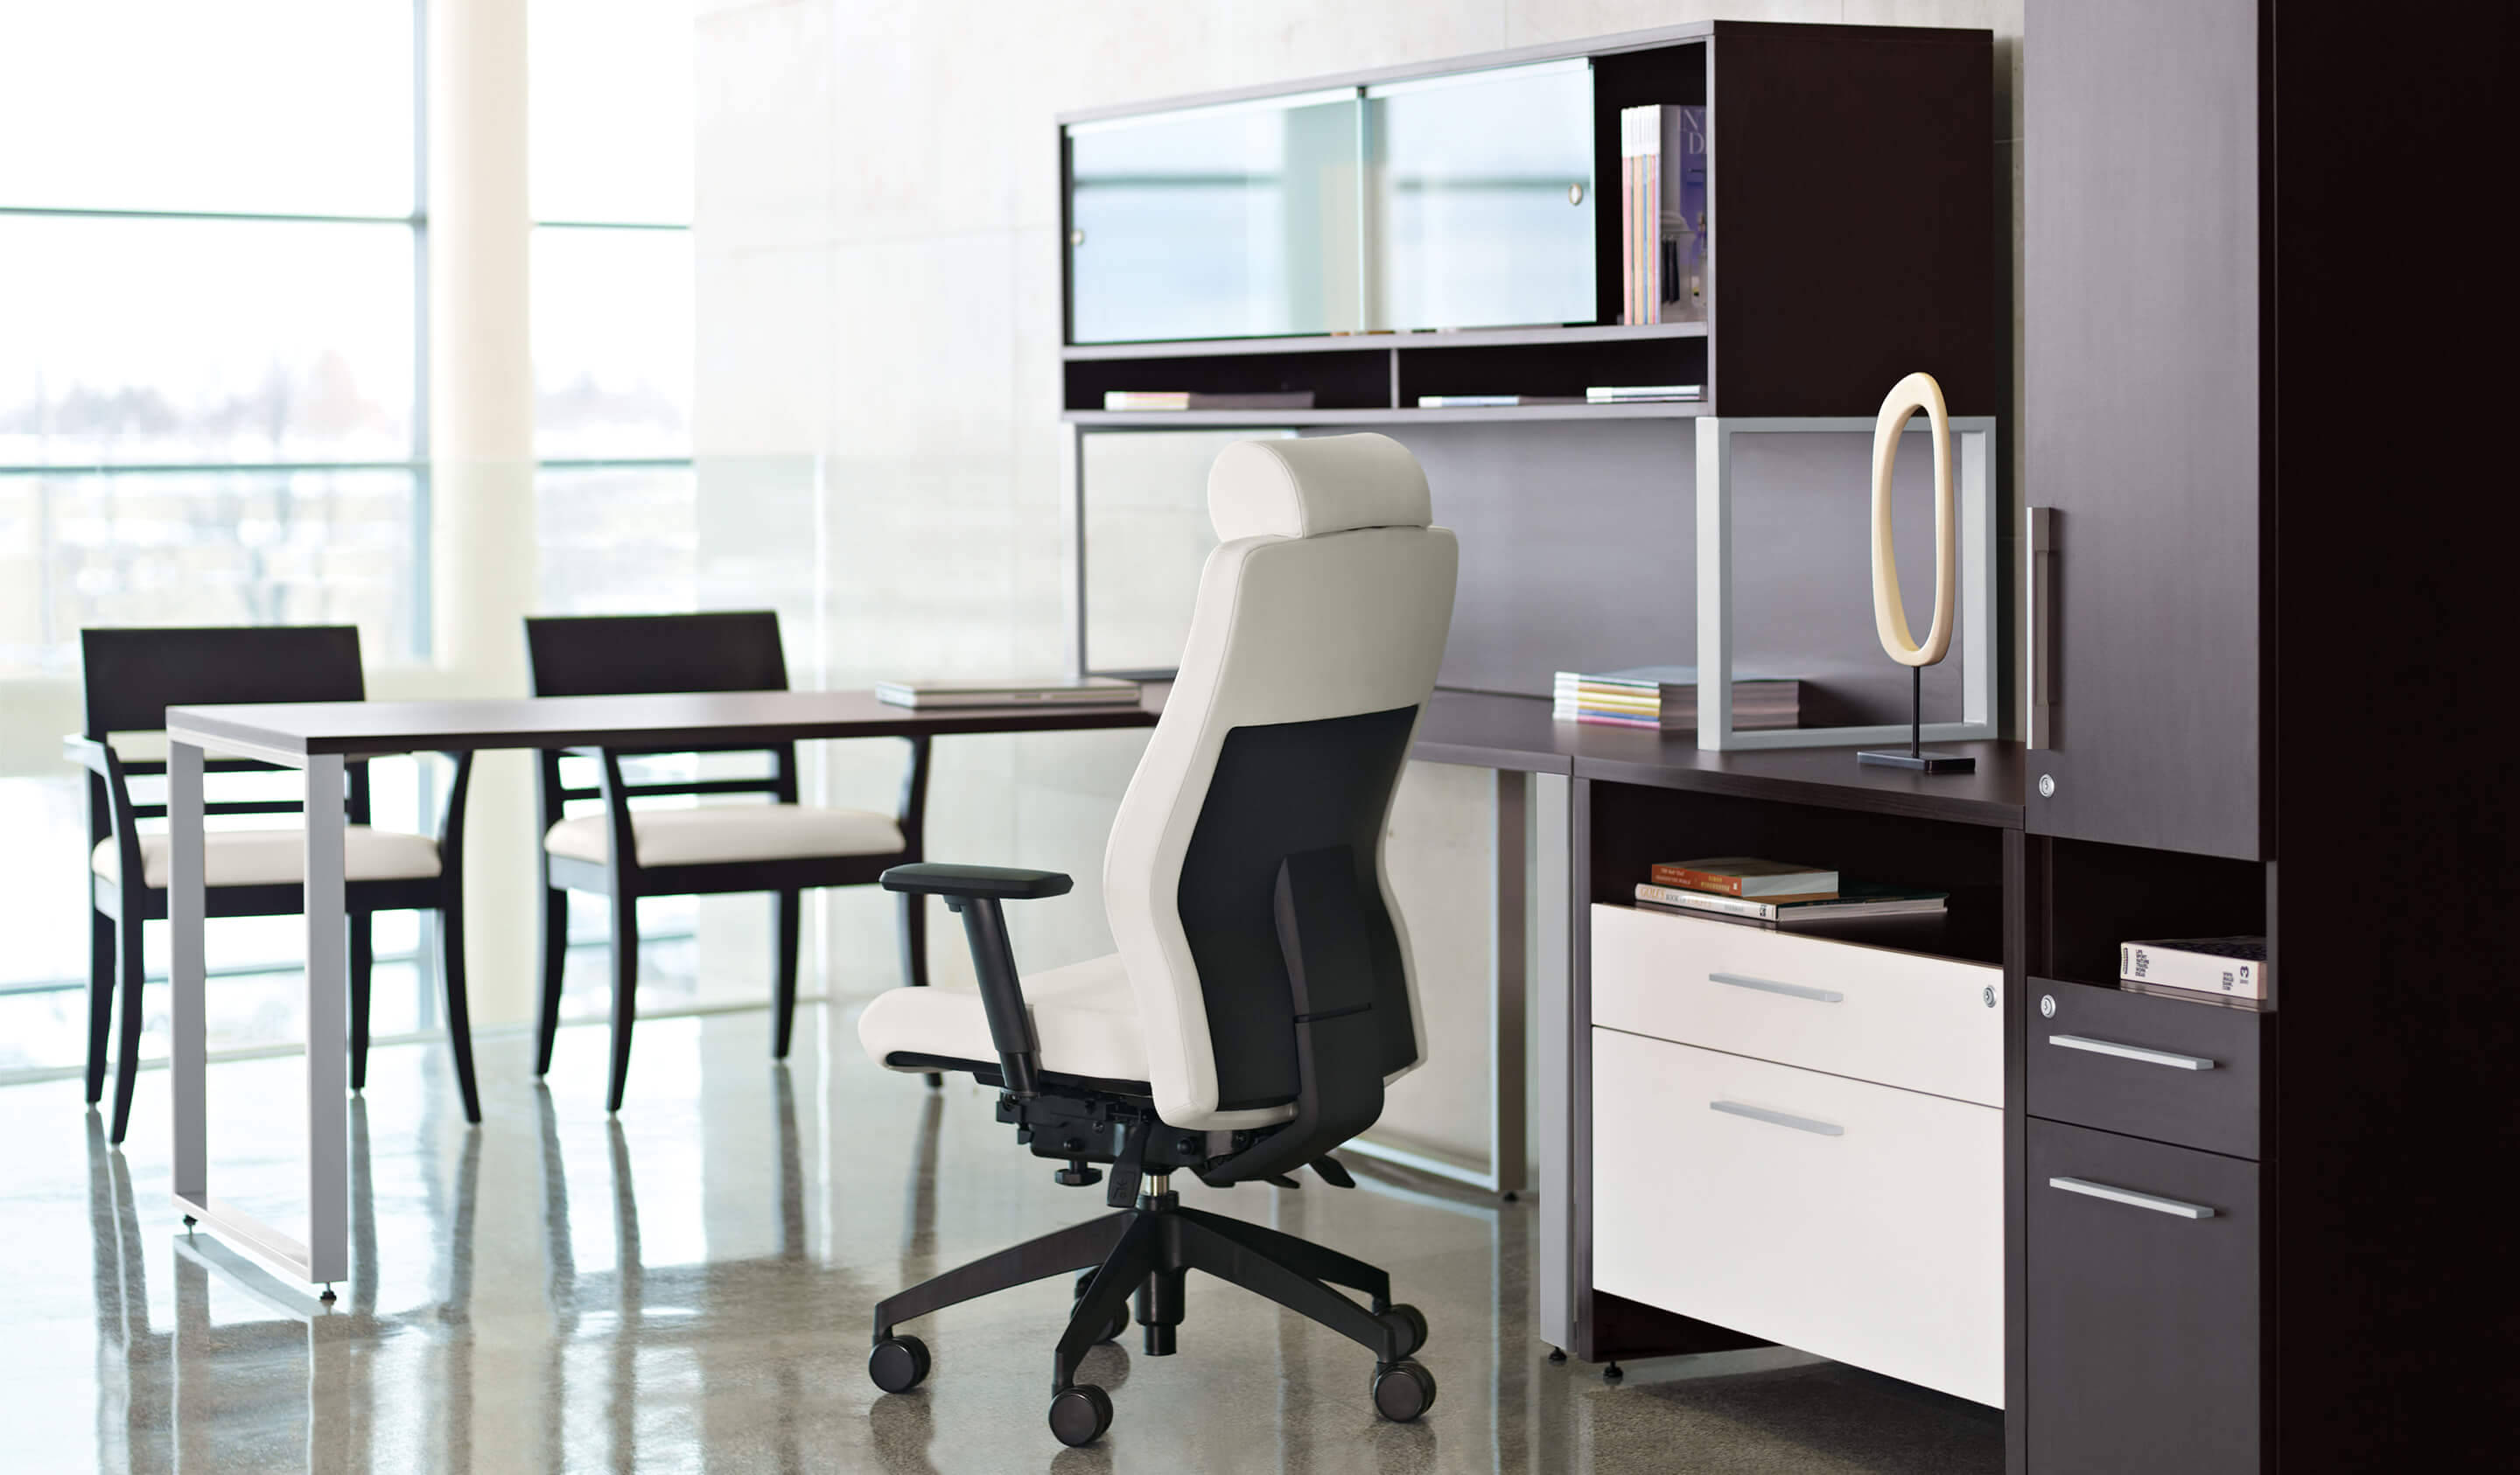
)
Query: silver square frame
[{"x": 1981, "y": 657}]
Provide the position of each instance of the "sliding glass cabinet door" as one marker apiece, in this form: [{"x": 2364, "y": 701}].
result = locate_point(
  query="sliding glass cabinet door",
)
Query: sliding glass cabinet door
[
  {"x": 1240, "y": 220},
  {"x": 1483, "y": 197}
]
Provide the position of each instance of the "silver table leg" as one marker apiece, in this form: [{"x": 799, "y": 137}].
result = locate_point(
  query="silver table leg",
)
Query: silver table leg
[
  {"x": 325, "y": 1257},
  {"x": 186, "y": 905}
]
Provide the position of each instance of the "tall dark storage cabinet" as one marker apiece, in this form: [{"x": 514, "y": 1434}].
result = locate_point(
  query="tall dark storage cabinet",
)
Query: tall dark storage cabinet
[
  {"x": 2267, "y": 393},
  {"x": 2142, "y": 412}
]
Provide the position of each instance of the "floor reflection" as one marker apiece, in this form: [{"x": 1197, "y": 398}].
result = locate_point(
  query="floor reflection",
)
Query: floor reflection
[{"x": 688, "y": 1287}]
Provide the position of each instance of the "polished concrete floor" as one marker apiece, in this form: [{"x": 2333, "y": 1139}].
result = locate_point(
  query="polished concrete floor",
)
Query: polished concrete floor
[{"x": 687, "y": 1288}]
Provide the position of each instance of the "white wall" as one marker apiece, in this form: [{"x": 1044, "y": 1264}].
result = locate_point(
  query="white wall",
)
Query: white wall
[{"x": 878, "y": 286}]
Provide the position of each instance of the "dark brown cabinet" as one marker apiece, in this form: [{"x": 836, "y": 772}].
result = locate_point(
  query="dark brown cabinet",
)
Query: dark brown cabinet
[
  {"x": 2141, "y": 416},
  {"x": 2143, "y": 1303}
]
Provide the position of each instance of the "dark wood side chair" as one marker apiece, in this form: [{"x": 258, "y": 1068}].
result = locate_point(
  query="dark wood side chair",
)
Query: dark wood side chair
[
  {"x": 132, "y": 676},
  {"x": 623, "y": 852}
]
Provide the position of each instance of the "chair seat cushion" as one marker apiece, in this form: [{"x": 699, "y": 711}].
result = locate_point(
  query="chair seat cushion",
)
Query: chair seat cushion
[
  {"x": 717, "y": 834},
  {"x": 1084, "y": 1017},
  {"x": 277, "y": 856}
]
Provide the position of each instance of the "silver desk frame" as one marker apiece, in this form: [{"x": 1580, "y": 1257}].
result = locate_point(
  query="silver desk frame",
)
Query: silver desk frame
[{"x": 325, "y": 1257}]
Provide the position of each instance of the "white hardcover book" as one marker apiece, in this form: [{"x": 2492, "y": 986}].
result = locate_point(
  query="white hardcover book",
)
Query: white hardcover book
[
  {"x": 1059, "y": 691},
  {"x": 2232, "y": 967}
]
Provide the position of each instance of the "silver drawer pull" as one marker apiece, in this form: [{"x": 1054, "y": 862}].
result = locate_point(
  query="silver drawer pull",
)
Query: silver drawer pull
[
  {"x": 2170, "y": 1206},
  {"x": 1771, "y": 986},
  {"x": 2132, "y": 1053},
  {"x": 1778, "y": 1118}
]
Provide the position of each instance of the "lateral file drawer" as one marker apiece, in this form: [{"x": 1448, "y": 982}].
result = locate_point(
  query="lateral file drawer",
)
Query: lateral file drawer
[
  {"x": 2143, "y": 1317},
  {"x": 2148, "y": 1066},
  {"x": 1898, "y": 1018},
  {"x": 1858, "y": 1222}
]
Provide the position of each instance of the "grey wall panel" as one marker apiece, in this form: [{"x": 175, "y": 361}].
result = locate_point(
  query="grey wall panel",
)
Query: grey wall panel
[{"x": 1579, "y": 549}]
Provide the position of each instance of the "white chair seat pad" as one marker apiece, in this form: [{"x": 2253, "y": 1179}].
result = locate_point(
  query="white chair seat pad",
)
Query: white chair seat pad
[
  {"x": 277, "y": 856},
  {"x": 717, "y": 834},
  {"x": 1084, "y": 1015}
]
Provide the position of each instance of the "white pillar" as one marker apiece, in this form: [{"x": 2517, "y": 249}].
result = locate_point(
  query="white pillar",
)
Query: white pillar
[{"x": 482, "y": 443}]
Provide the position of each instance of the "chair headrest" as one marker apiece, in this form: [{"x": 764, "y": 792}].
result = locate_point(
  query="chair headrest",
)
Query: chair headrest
[{"x": 1322, "y": 484}]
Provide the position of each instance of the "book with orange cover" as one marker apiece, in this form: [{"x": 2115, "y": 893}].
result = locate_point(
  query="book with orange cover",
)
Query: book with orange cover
[{"x": 1746, "y": 875}]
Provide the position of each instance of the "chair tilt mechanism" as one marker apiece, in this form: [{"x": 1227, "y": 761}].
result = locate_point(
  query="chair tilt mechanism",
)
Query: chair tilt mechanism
[{"x": 1148, "y": 1247}]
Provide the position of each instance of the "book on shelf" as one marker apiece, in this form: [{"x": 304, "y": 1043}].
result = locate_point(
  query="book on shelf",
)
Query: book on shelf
[
  {"x": 1852, "y": 900},
  {"x": 1642, "y": 394},
  {"x": 1135, "y": 400},
  {"x": 1745, "y": 875},
  {"x": 2193, "y": 996},
  {"x": 2225, "y": 966},
  {"x": 1492, "y": 401},
  {"x": 1053, "y": 691},
  {"x": 1665, "y": 697},
  {"x": 1662, "y": 213}
]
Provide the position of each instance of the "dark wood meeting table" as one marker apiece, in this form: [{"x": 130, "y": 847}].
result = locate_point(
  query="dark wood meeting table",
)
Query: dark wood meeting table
[{"x": 319, "y": 738}]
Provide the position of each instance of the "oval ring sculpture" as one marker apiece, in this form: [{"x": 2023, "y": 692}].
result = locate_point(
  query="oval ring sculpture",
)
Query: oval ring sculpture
[{"x": 1917, "y": 392}]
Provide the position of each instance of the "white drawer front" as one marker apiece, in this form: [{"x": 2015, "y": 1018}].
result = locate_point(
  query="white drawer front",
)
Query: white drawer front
[
  {"x": 1923, "y": 1023},
  {"x": 1718, "y": 1192}
]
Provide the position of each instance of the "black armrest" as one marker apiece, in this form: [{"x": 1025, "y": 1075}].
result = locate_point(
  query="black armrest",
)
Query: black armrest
[
  {"x": 990, "y": 882},
  {"x": 975, "y": 891}
]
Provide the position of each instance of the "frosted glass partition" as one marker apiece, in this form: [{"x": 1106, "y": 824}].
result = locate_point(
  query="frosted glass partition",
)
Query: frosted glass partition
[
  {"x": 1146, "y": 536},
  {"x": 1484, "y": 195},
  {"x": 1233, "y": 221}
]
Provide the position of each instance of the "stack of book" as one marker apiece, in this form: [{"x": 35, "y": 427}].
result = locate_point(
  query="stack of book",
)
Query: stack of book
[
  {"x": 1186, "y": 399},
  {"x": 2231, "y": 968},
  {"x": 1662, "y": 214},
  {"x": 1779, "y": 891},
  {"x": 1665, "y": 697}
]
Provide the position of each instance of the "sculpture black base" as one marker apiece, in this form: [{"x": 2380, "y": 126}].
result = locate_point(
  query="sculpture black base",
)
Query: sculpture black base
[{"x": 1920, "y": 761}]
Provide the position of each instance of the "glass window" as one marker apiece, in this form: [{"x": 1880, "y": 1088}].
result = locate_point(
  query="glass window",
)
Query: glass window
[
  {"x": 612, "y": 342},
  {"x": 188, "y": 341},
  {"x": 289, "y": 107},
  {"x": 611, "y": 121},
  {"x": 616, "y": 540}
]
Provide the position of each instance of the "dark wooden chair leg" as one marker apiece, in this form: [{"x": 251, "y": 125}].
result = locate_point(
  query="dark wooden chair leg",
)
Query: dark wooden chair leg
[
  {"x": 554, "y": 969},
  {"x": 626, "y": 992},
  {"x": 792, "y": 929},
  {"x": 363, "y": 970},
  {"x": 100, "y": 1001},
  {"x": 914, "y": 955},
  {"x": 459, "y": 1008},
  {"x": 126, "y": 1069}
]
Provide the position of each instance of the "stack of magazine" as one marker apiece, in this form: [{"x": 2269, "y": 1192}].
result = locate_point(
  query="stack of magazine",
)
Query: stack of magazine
[
  {"x": 2233, "y": 970},
  {"x": 1665, "y": 697},
  {"x": 1050, "y": 692},
  {"x": 1662, "y": 214},
  {"x": 1779, "y": 891}
]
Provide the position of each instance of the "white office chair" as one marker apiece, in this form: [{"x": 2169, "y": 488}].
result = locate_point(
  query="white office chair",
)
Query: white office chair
[{"x": 1262, "y": 995}]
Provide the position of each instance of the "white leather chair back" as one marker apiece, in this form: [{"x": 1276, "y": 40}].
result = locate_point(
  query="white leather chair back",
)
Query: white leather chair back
[{"x": 1313, "y": 648}]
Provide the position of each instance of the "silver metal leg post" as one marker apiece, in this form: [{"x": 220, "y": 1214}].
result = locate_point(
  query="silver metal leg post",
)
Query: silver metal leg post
[
  {"x": 328, "y": 1104},
  {"x": 1508, "y": 1102},
  {"x": 1558, "y": 913},
  {"x": 186, "y": 905}
]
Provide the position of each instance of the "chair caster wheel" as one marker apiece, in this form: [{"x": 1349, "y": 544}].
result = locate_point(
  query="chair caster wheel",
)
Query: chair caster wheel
[
  {"x": 1558, "y": 1354},
  {"x": 898, "y": 1365},
  {"x": 1079, "y": 1414},
  {"x": 1402, "y": 1391},
  {"x": 1410, "y": 1324},
  {"x": 1613, "y": 1374}
]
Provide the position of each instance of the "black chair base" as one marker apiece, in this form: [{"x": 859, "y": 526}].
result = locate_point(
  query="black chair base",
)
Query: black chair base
[{"x": 1147, "y": 1253}]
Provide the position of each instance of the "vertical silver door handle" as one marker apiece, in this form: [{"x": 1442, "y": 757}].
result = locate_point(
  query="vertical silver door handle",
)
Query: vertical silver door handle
[
  {"x": 2171, "y": 1058},
  {"x": 2039, "y": 587},
  {"x": 2173, "y": 1207},
  {"x": 1778, "y": 1118},
  {"x": 1771, "y": 986}
]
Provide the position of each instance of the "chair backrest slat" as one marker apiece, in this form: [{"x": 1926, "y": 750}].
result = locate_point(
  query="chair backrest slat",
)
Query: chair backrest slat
[
  {"x": 132, "y": 676},
  {"x": 625, "y": 654}
]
